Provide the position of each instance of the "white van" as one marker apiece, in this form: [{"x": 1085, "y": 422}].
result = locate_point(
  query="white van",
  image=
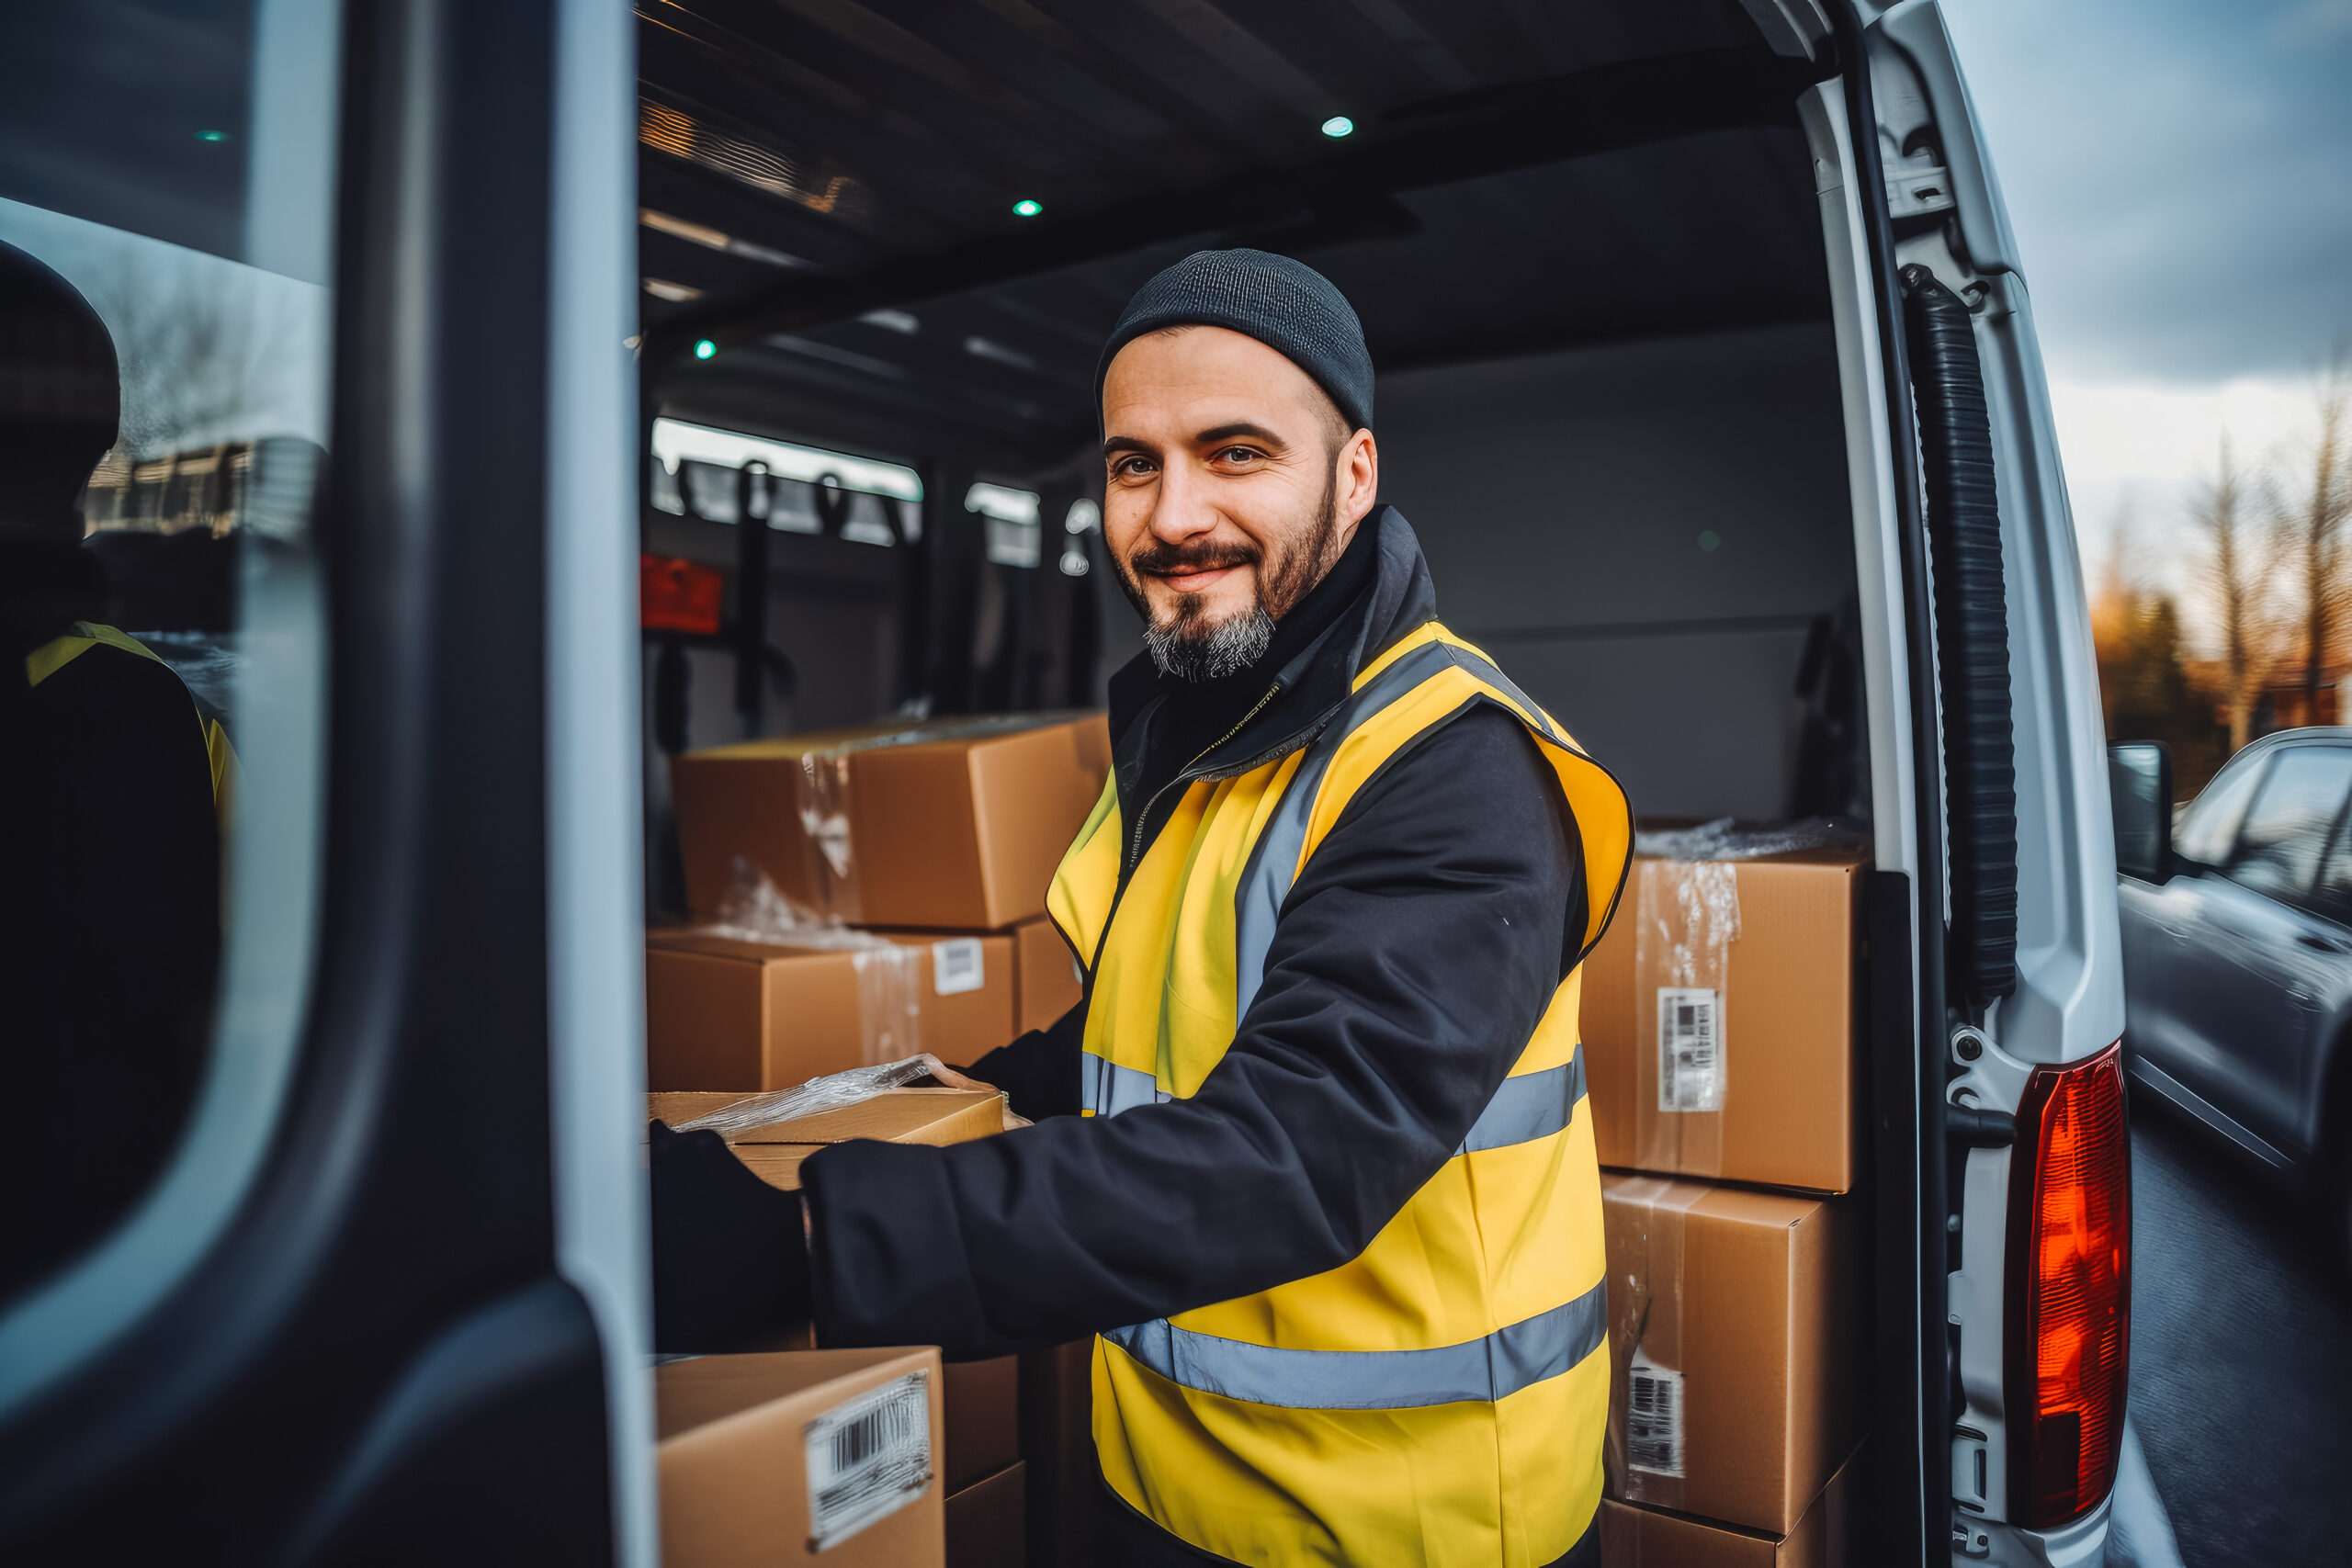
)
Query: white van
[{"x": 1698, "y": 323}]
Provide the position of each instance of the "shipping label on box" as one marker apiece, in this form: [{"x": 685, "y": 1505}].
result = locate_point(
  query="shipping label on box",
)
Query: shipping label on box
[
  {"x": 867, "y": 1458},
  {"x": 1720, "y": 1021},
  {"x": 769, "y": 1458}
]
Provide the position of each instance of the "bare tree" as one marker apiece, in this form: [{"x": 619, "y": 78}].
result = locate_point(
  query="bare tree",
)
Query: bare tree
[
  {"x": 2236, "y": 576},
  {"x": 2315, "y": 526}
]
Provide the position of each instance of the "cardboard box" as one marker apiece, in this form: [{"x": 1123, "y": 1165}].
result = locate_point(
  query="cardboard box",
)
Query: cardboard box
[
  {"x": 954, "y": 823},
  {"x": 1635, "y": 1536},
  {"x": 1759, "y": 1080},
  {"x": 774, "y": 1152},
  {"x": 722, "y": 1014},
  {"x": 985, "y": 1522},
  {"x": 983, "y": 1419},
  {"x": 1733, "y": 1340},
  {"x": 1050, "y": 984},
  {"x": 765, "y": 1459}
]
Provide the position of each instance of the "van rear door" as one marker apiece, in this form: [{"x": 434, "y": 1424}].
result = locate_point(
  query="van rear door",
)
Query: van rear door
[
  {"x": 2032, "y": 1451},
  {"x": 382, "y": 1301}
]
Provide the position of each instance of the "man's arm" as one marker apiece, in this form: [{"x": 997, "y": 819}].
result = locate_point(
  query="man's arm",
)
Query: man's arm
[{"x": 1408, "y": 971}]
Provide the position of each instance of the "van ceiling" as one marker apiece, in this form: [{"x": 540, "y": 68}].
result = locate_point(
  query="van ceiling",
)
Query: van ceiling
[{"x": 833, "y": 193}]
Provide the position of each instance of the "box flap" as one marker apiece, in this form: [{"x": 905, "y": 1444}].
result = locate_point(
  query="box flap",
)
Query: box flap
[{"x": 700, "y": 1390}]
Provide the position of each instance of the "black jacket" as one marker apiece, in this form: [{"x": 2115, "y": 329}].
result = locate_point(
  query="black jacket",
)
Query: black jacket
[{"x": 1408, "y": 967}]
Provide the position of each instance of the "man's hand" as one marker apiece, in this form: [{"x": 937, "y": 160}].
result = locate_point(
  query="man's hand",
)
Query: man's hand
[{"x": 730, "y": 1255}]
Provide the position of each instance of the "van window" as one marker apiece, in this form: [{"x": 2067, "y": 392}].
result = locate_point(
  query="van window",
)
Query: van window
[
  {"x": 2279, "y": 848},
  {"x": 2210, "y": 824},
  {"x": 166, "y": 217}
]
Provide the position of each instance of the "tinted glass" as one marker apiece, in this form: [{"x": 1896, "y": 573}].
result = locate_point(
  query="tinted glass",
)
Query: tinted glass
[
  {"x": 165, "y": 213},
  {"x": 2211, "y": 823},
  {"x": 2334, "y": 897},
  {"x": 2279, "y": 848}
]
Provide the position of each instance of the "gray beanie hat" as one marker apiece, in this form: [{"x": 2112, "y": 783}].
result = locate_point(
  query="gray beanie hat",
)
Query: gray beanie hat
[{"x": 1286, "y": 305}]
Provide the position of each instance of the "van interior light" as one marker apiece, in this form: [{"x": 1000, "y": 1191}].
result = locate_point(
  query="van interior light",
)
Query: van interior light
[
  {"x": 1027, "y": 209},
  {"x": 1339, "y": 125},
  {"x": 212, "y": 136},
  {"x": 705, "y": 349},
  {"x": 1002, "y": 502}
]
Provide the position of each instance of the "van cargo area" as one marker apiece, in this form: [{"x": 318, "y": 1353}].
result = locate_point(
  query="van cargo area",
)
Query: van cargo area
[{"x": 1609, "y": 403}]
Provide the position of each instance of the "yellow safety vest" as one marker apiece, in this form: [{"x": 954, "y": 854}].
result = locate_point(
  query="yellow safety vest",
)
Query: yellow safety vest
[
  {"x": 1442, "y": 1398},
  {"x": 83, "y": 635}
]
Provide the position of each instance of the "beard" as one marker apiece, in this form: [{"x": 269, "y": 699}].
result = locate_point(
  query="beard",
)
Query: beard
[{"x": 1184, "y": 642}]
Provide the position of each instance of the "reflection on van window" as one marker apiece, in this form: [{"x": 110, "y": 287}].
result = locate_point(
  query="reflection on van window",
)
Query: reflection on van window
[{"x": 162, "y": 419}]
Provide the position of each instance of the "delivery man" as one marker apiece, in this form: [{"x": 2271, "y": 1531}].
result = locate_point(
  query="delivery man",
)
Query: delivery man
[
  {"x": 109, "y": 844},
  {"x": 1313, "y": 1158}
]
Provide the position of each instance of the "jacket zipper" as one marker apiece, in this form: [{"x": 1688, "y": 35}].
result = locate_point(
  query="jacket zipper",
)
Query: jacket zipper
[
  {"x": 1187, "y": 775},
  {"x": 1184, "y": 776}
]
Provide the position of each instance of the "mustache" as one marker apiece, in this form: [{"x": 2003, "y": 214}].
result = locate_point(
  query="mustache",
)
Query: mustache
[{"x": 1161, "y": 560}]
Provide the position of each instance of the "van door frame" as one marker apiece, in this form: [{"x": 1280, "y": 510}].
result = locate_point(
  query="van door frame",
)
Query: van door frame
[{"x": 1908, "y": 1409}]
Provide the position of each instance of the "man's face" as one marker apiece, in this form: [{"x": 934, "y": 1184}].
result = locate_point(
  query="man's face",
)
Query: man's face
[{"x": 1231, "y": 486}]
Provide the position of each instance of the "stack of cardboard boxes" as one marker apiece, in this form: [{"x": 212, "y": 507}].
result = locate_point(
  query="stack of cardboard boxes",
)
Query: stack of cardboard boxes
[
  {"x": 938, "y": 836},
  {"x": 937, "y": 841},
  {"x": 757, "y": 1447},
  {"x": 1720, "y": 1019}
]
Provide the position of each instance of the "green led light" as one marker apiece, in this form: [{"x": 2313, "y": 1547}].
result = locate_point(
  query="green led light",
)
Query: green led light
[
  {"x": 212, "y": 136},
  {"x": 1339, "y": 125},
  {"x": 1026, "y": 208},
  {"x": 705, "y": 349},
  {"x": 1709, "y": 539}
]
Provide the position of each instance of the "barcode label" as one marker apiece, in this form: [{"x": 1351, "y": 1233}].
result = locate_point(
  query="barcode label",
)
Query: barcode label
[
  {"x": 868, "y": 1457},
  {"x": 957, "y": 966},
  {"x": 1654, "y": 1419},
  {"x": 1690, "y": 1049}
]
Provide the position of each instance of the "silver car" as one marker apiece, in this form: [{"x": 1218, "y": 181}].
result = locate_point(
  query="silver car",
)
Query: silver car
[{"x": 2237, "y": 953}]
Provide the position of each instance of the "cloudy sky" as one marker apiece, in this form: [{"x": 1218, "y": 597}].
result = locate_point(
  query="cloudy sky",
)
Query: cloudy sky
[{"x": 2180, "y": 174}]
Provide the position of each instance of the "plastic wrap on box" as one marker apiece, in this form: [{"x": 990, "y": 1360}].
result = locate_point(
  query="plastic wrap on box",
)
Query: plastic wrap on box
[
  {"x": 1687, "y": 917},
  {"x": 835, "y": 1092},
  {"x": 821, "y": 795},
  {"x": 889, "y": 973},
  {"x": 948, "y": 824},
  {"x": 1647, "y": 1456},
  {"x": 1731, "y": 1339}
]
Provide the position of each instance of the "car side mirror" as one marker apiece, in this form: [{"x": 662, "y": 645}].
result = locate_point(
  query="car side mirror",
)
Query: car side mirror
[{"x": 2139, "y": 786}]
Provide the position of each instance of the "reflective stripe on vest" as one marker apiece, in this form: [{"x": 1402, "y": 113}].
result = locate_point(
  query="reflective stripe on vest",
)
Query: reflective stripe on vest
[
  {"x": 1105, "y": 1088},
  {"x": 1530, "y": 1352},
  {"x": 1227, "y": 1424}
]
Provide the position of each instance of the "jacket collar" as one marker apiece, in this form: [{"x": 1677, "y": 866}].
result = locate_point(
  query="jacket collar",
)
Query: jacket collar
[{"x": 1301, "y": 697}]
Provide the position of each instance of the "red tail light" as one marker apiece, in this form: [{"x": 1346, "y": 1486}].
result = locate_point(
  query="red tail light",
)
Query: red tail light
[{"x": 2070, "y": 1289}]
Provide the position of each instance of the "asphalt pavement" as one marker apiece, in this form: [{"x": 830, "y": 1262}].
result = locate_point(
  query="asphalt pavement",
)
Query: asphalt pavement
[{"x": 2241, "y": 1358}]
